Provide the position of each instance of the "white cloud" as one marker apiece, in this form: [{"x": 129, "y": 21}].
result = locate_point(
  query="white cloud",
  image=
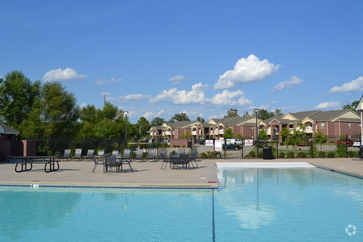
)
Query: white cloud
[
  {"x": 129, "y": 98},
  {"x": 248, "y": 69},
  {"x": 230, "y": 98},
  {"x": 355, "y": 85},
  {"x": 59, "y": 74},
  {"x": 292, "y": 82},
  {"x": 196, "y": 95},
  {"x": 176, "y": 79},
  {"x": 101, "y": 82},
  {"x": 151, "y": 115},
  {"x": 328, "y": 105}
]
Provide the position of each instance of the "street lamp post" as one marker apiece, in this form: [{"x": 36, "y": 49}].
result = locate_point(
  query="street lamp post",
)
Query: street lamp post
[
  {"x": 257, "y": 131},
  {"x": 126, "y": 113}
]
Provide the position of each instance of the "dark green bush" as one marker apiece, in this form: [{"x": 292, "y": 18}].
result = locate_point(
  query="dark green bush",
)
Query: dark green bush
[
  {"x": 290, "y": 154},
  {"x": 251, "y": 154},
  {"x": 331, "y": 154},
  {"x": 321, "y": 154},
  {"x": 282, "y": 155},
  {"x": 352, "y": 153},
  {"x": 301, "y": 154}
]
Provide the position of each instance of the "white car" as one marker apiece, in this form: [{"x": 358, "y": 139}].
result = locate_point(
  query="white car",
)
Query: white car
[{"x": 356, "y": 143}]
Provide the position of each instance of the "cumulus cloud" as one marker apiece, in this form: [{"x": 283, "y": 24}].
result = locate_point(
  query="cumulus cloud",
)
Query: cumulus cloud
[
  {"x": 230, "y": 98},
  {"x": 355, "y": 85},
  {"x": 59, "y": 74},
  {"x": 292, "y": 82},
  {"x": 101, "y": 82},
  {"x": 129, "y": 98},
  {"x": 327, "y": 105},
  {"x": 196, "y": 95},
  {"x": 151, "y": 115},
  {"x": 248, "y": 69}
]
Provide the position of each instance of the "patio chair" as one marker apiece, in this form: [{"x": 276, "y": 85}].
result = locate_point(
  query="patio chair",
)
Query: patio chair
[
  {"x": 194, "y": 157},
  {"x": 77, "y": 154},
  {"x": 184, "y": 160},
  {"x": 124, "y": 160},
  {"x": 162, "y": 152},
  {"x": 165, "y": 161},
  {"x": 101, "y": 152},
  {"x": 152, "y": 155},
  {"x": 90, "y": 153},
  {"x": 110, "y": 161},
  {"x": 181, "y": 151},
  {"x": 98, "y": 160}
]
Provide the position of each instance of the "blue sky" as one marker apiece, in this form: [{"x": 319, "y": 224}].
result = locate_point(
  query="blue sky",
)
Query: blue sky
[{"x": 162, "y": 57}]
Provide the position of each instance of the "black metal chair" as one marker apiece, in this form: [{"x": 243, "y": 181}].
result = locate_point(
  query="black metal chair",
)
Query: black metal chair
[
  {"x": 165, "y": 161},
  {"x": 110, "y": 161}
]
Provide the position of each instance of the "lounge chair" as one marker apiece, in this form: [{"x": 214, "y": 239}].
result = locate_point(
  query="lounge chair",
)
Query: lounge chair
[
  {"x": 101, "y": 152},
  {"x": 66, "y": 155},
  {"x": 126, "y": 153},
  {"x": 110, "y": 161},
  {"x": 90, "y": 153},
  {"x": 139, "y": 155},
  {"x": 77, "y": 154},
  {"x": 115, "y": 152},
  {"x": 152, "y": 155}
]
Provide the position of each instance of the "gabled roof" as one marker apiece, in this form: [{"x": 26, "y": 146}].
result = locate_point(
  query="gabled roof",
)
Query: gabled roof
[
  {"x": 360, "y": 104},
  {"x": 299, "y": 115},
  {"x": 336, "y": 115},
  {"x": 181, "y": 124},
  {"x": 4, "y": 129}
]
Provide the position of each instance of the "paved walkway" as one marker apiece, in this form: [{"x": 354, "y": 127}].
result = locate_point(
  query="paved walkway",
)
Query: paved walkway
[{"x": 149, "y": 174}]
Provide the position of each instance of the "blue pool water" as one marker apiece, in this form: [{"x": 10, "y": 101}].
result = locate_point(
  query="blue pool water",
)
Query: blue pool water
[{"x": 252, "y": 204}]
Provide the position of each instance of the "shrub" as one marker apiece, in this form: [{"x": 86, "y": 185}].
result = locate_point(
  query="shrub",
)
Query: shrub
[
  {"x": 301, "y": 154},
  {"x": 321, "y": 154},
  {"x": 282, "y": 155},
  {"x": 290, "y": 154},
  {"x": 251, "y": 154},
  {"x": 352, "y": 153},
  {"x": 203, "y": 155},
  {"x": 331, "y": 154},
  {"x": 341, "y": 151}
]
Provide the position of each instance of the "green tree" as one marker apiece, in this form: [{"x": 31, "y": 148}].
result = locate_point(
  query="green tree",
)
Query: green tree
[
  {"x": 200, "y": 119},
  {"x": 142, "y": 126},
  {"x": 17, "y": 96},
  {"x": 228, "y": 133},
  {"x": 59, "y": 111},
  {"x": 179, "y": 117},
  {"x": 351, "y": 106},
  {"x": 263, "y": 135},
  {"x": 157, "y": 121},
  {"x": 231, "y": 113}
]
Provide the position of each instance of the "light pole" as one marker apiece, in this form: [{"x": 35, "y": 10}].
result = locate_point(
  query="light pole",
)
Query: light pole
[
  {"x": 126, "y": 113},
  {"x": 257, "y": 131}
]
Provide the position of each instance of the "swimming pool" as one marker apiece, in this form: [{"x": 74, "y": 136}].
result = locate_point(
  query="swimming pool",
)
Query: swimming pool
[{"x": 252, "y": 204}]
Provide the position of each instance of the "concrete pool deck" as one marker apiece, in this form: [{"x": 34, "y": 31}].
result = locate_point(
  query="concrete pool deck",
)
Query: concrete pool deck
[{"x": 149, "y": 174}]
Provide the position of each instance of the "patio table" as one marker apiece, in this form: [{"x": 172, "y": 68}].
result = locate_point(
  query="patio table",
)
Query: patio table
[{"x": 51, "y": 163}]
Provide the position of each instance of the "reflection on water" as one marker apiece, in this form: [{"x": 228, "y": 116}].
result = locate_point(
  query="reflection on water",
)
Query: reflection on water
[
  {"x": 278, "y": 204},
  {"x": 33, "y": 210}
]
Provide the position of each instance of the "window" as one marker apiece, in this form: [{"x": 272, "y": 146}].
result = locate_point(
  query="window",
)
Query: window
[
  {"x": 322, "y": 126},
  {"x": 349, "y": 126}
]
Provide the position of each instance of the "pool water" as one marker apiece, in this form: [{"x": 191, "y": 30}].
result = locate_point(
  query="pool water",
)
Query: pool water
[{"x": 252, "y": 204}]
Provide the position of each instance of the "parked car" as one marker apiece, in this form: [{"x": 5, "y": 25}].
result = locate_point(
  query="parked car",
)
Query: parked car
[
  {"x": 357, "y": 143},
  {"x": 231, "y": 147},
  {"x": 348, "y": 142},
  {"x": 304, "y": 143}
]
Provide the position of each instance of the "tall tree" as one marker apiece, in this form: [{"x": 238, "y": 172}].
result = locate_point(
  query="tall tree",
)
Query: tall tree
[
  {"x": 352, "y": 106},
  {"x": 157, "y": 121},
  {"x": 17, "y": 95},
  {"x": 179, "y": 117},
  {"x": 231, "y": 113},
  {"x": 142, "y": 126},
  {"x": 200, "y": 119}
]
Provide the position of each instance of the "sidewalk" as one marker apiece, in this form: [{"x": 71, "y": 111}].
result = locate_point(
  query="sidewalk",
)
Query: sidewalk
[{"x": 149, "y": 174}]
